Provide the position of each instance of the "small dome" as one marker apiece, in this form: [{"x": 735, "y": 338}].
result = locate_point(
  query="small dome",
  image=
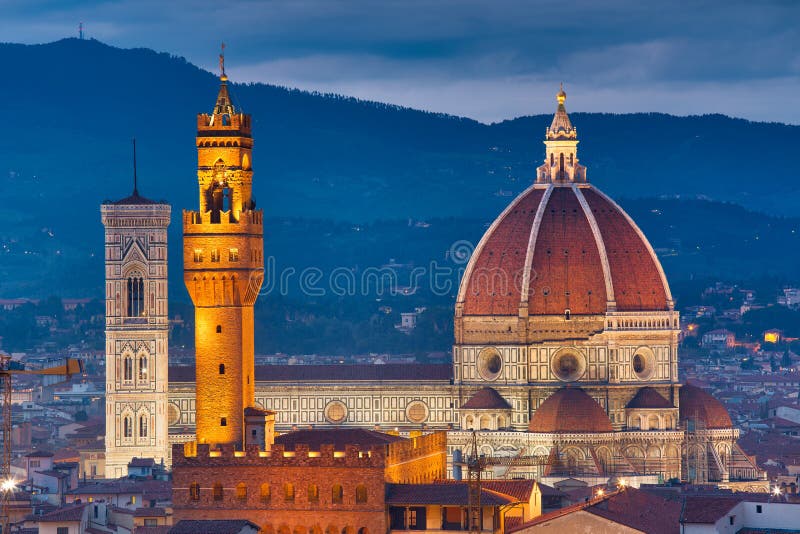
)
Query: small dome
[
  {"x": 697, "y": 404},
  {"x": 648, "y": 398},
  {"x": 570, "y": 410},
  {"x": 486, "y": 399}
]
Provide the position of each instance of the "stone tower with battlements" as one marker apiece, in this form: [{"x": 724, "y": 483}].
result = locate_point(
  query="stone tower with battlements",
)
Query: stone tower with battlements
[
  {"x": 223, "y": 271},
  {"x": 137, "y": 332}
]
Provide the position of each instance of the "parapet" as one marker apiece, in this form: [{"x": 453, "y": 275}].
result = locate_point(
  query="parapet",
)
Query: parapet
[{"x": 194, "y": 454}]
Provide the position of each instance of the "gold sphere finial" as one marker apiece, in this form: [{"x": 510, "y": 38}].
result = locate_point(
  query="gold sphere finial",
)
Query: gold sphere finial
[{"x": 561, "y": 96}]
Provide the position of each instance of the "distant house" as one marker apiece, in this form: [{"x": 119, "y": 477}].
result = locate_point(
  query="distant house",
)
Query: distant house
[
  {"x": 718, "y": 340},
  {"x": 773, "y": 336}
]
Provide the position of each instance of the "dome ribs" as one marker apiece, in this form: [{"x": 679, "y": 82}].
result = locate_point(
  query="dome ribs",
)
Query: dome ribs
[
  {"x": 567, "y": 271},
  {"x": 570, "y": 410},
  {"x": 495, "y": 278},
  {"x": 635, "y": 274}
]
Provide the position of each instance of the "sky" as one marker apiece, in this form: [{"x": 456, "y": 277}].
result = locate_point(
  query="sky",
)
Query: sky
[{"x": 489, "y": 60}]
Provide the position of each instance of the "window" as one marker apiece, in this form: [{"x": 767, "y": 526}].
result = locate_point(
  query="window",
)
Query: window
[
  {"x": 34, "y": 463},
  {"x": 150, "y": 522},
  {"x": 217, "y": 491},
  {"x": 758, "y": 509},
  {"x": 241, "y": 491},
  {"x": 62, "y": 530},
  {"x": 215, "y": 255},
  {"x": 288, "y": 492},
  {"x": 222, "y": 368},
  {"x": 219, "y": 329},
  {"x": 127, "y": 426},
  {"x": 313, "y": 493},
  {"x": 142, "y": 367},
  {"x": 265, "y": 492},
  {"x": 731, "y": 519},
  {"x": 198, "y": 255},
  {"x": 143, "y": 426},
  {"x": 337, "y": 494},
  {"x": 223, "y": 421},
  {"x": 194, "y": 491},
  {"x": 127, "y": 368},
  {"x": 361, "y": 493},
  {"x": 233, "y": 254},
  {"x": 136, "y": 295}
]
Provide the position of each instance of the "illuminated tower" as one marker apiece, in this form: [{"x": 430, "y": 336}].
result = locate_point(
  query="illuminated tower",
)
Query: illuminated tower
[
  {"x": 137, "y": 331},
  {"x": 223, "y": 271}
]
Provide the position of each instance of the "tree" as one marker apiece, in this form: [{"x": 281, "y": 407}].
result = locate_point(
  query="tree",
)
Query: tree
[
  {"x": 81, "y": 416},
  {"x": 773, "y": 363},
  {"x": 786, "y": 360}
]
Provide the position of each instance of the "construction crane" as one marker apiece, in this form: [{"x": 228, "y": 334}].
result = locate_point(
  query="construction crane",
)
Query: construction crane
[
  {"x": 476, "y": 464},
  {"x": 9, "y": 368}
]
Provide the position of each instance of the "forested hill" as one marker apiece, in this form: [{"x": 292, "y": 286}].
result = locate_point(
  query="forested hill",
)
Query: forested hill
[{"x": 70, "y": 108}]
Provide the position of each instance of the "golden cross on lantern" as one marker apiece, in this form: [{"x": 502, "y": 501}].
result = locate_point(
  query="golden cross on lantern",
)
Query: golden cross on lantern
[{"x": 222, "y": 60}]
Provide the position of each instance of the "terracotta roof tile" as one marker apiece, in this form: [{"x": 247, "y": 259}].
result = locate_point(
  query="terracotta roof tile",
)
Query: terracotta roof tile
[
  {"x": 570, "y": 410},
  {"x": 441, "y": 494},
  {"x": 647, "y": 398},
  {"x": 697, "y": 403},
  {"x": 486, "y": 399}
]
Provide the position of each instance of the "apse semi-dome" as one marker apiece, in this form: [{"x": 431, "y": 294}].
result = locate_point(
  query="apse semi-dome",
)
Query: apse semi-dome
[
  {"x": 563, "y": 247},
  {"x": 570, "y": 410},
  {"x": 699, "y": 406}
]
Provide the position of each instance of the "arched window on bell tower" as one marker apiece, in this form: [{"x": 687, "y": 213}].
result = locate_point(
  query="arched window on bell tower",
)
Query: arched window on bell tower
[
  {"x": 136, "y": 296},
  {"x": 143, "y": 425},
  {"x": 220, "y": 193}
]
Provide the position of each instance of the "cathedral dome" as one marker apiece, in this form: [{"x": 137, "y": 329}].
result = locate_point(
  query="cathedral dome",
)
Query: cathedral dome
[
  {"x": 697, "y": 404},
  {"x": 570, "y": 410},
  {"x": 562, "y": 247}
]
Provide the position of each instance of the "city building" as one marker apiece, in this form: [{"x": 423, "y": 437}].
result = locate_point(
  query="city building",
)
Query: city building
[
  {"x": 137, "y": 331},
  {"x": 565, "y": 353}
]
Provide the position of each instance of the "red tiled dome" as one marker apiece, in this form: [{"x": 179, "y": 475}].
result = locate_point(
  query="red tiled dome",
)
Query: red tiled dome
[
  {"x": 570, "y": 410},
  {"x": 649, "y": 398},
  {"x": 697, "y": 404},
  {"x": 486, "y": 399},
  {"x": 574, "y": 249}
]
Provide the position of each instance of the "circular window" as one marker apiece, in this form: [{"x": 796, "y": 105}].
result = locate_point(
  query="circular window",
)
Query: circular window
[
  {"x": 643, "y": 363},
  {"x": 335, "y": 411},
  {"x": 417, "y": 411},
  {"x": 569, "y": 365},
  {"x": 490, "y": 363},
  {"x": 173, "y": 414}
]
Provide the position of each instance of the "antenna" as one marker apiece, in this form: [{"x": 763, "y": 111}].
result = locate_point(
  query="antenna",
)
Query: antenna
[
  {"x": 80, "y": 31},
  {"x": 135, "y": 180}
]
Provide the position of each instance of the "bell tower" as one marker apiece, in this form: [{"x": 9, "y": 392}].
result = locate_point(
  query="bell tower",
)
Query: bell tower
[{"x": 223, "y": 270}]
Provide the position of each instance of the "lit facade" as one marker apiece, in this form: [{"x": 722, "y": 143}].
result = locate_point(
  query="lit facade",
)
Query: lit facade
[
  {"x": 136, "y": 331},
  {"x": 566, "y": 351},
  {"x": 223, "y": 271}
]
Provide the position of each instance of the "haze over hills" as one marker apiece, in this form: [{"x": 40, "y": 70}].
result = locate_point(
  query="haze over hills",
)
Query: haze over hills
[{"x": 71, "y": 107}]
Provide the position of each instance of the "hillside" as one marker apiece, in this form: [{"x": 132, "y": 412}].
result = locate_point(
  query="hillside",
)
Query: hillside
[{"x": 326, "y": 163}]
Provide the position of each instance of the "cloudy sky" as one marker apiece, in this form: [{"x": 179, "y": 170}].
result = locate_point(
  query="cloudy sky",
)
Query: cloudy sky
[{"x": 489, "y": 60}]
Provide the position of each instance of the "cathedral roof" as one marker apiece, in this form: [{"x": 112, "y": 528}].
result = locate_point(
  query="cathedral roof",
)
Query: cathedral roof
[
  {"x": 570, "y": 410},
  {"x": 486, "y": 399},
  {"x": 697, "y": 404},
  {"x": 647, "y": 398},
  {"x": 563, "y": 245}
]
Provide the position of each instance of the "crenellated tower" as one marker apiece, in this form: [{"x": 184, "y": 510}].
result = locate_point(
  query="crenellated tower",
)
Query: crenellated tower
[{"x": 223, "y": 271}]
